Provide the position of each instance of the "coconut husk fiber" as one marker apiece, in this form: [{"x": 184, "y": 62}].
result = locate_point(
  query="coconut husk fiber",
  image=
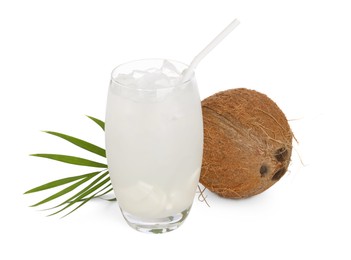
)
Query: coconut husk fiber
[{"x": 247, "y": 143}]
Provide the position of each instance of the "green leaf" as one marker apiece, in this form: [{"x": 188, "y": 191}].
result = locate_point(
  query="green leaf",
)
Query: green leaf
[
  {"x": 80, "y": 143},
  {"x": 90, "y": 190},
  {"x": 95, "y": 188},
  {"x": 59, "y": 182},
  {"x": 91, "y": 197},
  {"x": 83, "y": 190},
  {"x": 85, "y": 201},
  {"x": 78, "y": 199},
  {"x": 95, "y": 197},
  {"x": 106, "y": 193},
  {"x": 100, "y": 195},
  {"x": 63, "y": 192},
  {"x": 98, "y": 121},
  {"x": 71, "y": 160}
]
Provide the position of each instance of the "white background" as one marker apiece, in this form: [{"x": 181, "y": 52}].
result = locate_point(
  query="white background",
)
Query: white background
[{"x": 55, "y": 63}]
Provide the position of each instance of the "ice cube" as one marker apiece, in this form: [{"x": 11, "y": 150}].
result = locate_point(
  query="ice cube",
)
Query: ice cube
[
  {"x": 169, "y": 69},
  {"x": 152, "y": 78},
  {"x": 151, "y": 70},
  {"x": 125, "y": 79},
  {"x": 173, "y": 81},
  {"x": 164, "y": 83},
  {"x": 149, "y": 80},
  {"x": 135, "y": 193},
  {"x": 142, "y": 199},
  {"x": 138, "y": 73}
]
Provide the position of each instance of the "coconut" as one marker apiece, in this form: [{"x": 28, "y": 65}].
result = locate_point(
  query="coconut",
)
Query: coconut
[{"x": 247, "y": 143}]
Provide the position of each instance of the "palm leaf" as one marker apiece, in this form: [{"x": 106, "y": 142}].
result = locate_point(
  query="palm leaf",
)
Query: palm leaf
[
  {"x": 71, "y": 199},
  {"x": 59, "y": 182},
  {"x": 95, "y": 197},
  {"x": 71, "y": 159},
  {"x": 63, "y": 192},
  {"x": 95, "y": 188},
  {"x": 100, "y": 195},
  {"x": 78, "y": 199},
  {"x": 98, "y": 121},
  {"x": 90, "y": 190},
  {"x": 91, "y": 197},
  {"x": 80, "y": 143}
]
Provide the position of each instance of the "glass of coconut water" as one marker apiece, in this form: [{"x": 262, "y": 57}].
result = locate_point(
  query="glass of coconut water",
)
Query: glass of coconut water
[{"x": 154, "y": 142}]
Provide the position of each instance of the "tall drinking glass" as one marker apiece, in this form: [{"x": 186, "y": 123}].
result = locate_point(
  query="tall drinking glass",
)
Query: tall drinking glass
[{"x": 154, "y": 142}]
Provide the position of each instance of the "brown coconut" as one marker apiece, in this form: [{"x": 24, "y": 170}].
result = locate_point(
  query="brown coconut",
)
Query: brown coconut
[{"x": 247, "y": 143}]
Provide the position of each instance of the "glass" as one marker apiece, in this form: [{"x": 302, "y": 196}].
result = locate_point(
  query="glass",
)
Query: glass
[{"x": 154, "y": 143}]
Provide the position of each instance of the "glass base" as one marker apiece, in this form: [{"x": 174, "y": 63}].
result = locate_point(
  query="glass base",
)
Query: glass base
[{"x": 156, "y": 225}]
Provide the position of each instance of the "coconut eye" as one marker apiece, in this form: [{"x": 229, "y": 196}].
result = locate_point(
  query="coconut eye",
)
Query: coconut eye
[
  {"x": 281, "y": 154},
  {"x": 263, "y": 170},
  {"x": 278, "y": 174}
]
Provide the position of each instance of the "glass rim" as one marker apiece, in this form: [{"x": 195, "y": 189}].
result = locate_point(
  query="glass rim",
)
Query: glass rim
[{"x": 113, "y": 79}]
